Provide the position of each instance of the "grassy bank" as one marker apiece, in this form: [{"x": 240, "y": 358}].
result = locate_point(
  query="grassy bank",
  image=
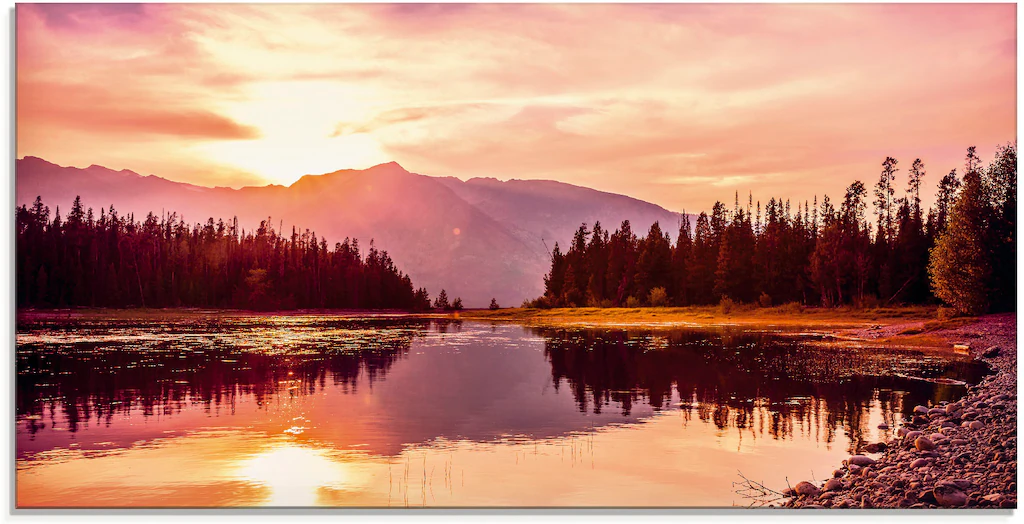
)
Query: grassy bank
[{"x": 789, "y": 316}]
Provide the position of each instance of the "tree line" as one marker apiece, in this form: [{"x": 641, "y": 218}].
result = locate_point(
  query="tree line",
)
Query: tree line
[
  {"x": 116, "y": 261},
  {"x": 961, "y": 251}
]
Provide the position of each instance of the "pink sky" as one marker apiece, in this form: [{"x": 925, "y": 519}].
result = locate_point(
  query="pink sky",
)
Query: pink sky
[{"x": 675, "y": 104}]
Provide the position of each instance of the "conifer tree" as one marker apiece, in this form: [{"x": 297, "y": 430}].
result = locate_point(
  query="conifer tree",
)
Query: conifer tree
[{"x": 959, "y": 266}]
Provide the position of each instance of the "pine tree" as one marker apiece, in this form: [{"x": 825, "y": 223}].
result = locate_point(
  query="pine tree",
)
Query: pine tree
[{"x": 959, "y": 266}]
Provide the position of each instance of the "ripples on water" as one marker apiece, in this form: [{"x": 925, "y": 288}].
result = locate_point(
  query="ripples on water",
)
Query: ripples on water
[{"x": 306, "y": 410}]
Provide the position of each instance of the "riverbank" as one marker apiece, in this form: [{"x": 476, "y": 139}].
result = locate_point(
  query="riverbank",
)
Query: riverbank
[
  {"x": 886, "y": 321},
  {"x": 958, "y": 454}
]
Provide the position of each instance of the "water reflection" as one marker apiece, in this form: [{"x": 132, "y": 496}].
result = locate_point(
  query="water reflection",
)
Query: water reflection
[
  {"x": 313, "y": 410},
  {"x": 739, "y": 379}
]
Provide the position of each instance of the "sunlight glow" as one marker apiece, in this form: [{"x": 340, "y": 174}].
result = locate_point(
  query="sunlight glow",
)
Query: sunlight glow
[
  {"x": 297, "y": 122},
  {"x": 294, "y": 474}
]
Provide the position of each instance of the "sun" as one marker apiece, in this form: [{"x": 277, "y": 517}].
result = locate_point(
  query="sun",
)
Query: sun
[{"x": 297, "y": 124}]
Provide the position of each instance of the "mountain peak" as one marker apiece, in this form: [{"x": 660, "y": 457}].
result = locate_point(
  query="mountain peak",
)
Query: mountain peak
[{"x": 388, "y": 167}]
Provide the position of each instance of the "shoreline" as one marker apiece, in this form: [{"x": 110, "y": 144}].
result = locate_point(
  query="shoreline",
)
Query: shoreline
[{"x": 960, "y": 454}]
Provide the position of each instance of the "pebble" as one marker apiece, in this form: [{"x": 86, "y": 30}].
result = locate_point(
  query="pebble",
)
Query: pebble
[
  {"x": 806, "y": 488},
  {"x": 875, "y": 447},
  {"x": 919, "y": 463},
  {"x": 861, "y": 460},
  {"x": 949, "y": 496},
  {"x": 924, "y": 444}
]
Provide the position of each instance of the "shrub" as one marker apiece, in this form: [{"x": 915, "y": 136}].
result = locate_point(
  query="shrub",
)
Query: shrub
[
  {"x": 764, "y": 300},
  {"x": 632, "y": 302},
  {"x": 658, "y": 297},
  {"x": 792, "y": 308},
  {"x": 868, "y": 301},
  {"x": 494, "y": 304},
  {"x": 726, "y": 305},
  {"x": 946, "y": 313}
]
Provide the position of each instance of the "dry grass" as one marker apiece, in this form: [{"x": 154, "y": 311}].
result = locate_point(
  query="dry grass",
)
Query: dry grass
[{"x": 791, "y": 315}]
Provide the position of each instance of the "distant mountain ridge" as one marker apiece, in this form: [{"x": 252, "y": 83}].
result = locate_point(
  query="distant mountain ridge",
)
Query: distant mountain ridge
[{"x": 477, "y": 239}]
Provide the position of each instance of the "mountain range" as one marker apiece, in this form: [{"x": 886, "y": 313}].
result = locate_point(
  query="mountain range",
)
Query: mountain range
[{"x": 478, "y": 239}]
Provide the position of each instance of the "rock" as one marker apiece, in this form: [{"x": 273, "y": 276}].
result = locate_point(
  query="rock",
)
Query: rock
[
  {"x": 883, "y": 425},
  {"x": 994, "y": 498},
  {"x": 902, "y": 432},
  {"x": 861, "y": 460},
  {"x": 927, "y": 497},
  {"x": 936, "y": 412},
  {"x": 806, "y": 488},
  {"x": 963, "y": 349},
  {"x": 920, "y": 410},
  {"x": 833, "y": 484},
  {"x": 924, "y": 444},
  {"x": 961, "y": 484},
  {"x": 953, "y": 408},
  {"x": 837, "y": 473},
  {"x": 911, "y": 435},
  {"x": 812, "y": 506},
  {"x": 789, "y": 492},
  {"x": 976, "y": 424},
  {"x": 919, "y": 463},
  {"x": 876, "y": 447},
  {"x": 949, "y": 496},
  {"x": 959, "y": 442},
  {"x": 991, "y": 352},
  {"x": 936, "y": 436}
]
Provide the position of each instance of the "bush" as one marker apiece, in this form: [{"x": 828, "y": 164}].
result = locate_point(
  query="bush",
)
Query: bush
[
  {"x": 946, "y": 313},
  {"x": 543, "y": 302},
  {"x": 726, "y": 305},
  {"x": 764, "y": 300},
  {"x": 868, "y": 301},
  {"x": 632, "y": 302},
  {"x": 658, "y": 297},
  {"x": 494, "y": 305},
  {"x": 792, "y": 308}
]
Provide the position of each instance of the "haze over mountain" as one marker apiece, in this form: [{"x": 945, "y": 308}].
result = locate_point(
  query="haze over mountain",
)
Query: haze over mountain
[{"x": 478, "y": 239}]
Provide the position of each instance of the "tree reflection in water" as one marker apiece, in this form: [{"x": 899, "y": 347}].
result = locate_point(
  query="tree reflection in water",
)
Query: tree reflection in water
[
  {"x": 70, "y": 374},
  {"x": 740, "y": 379}
]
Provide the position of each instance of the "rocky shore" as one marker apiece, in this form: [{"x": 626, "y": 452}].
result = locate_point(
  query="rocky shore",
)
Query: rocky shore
[{"x": 959, "y": 454}]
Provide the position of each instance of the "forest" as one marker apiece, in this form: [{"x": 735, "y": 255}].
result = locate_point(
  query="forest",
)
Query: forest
[
  {"x": 115, "y": 261},
  {"x": 961, "y": 251}
]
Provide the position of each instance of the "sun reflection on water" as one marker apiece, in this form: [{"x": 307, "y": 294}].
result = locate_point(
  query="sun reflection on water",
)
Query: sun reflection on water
[{"x": 294, "y": 474}]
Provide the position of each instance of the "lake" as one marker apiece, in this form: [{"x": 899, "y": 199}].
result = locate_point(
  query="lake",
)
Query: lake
[{"x": 395, "y": 411}]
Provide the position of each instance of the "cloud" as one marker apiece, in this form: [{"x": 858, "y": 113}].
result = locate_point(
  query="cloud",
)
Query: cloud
[
  {"x": 111, "y": 111},
  {"x": 680, "y": 104}
]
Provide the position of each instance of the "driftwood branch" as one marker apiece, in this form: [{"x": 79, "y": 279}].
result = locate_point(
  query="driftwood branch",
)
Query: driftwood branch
[{"x": 757, "y": 492}]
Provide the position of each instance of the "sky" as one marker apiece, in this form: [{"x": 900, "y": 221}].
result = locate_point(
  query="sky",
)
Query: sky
[{"x": 679, "y": 105}]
